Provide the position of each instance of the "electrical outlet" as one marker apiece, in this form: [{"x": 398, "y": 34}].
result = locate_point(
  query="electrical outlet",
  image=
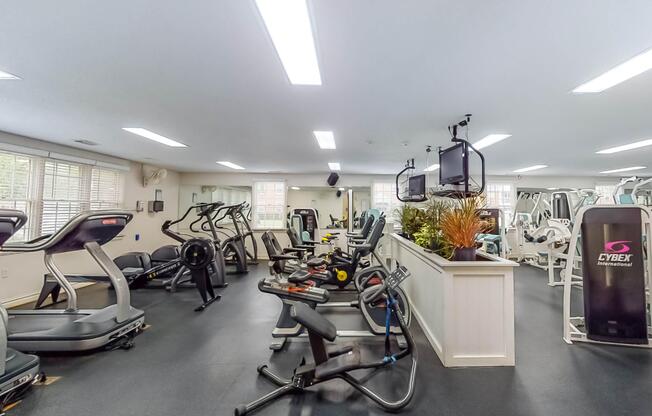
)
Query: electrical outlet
[{"x": 4, "y": 273}]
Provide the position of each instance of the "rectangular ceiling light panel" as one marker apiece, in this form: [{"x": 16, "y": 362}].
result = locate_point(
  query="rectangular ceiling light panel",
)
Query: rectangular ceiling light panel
[
  {"x": 489, "y": 140},
  {"x": 154, "y": 136},
  {"x": 334, "y": 166},
  {"x": 325, "y": 139},
  {"x": 288, "y": 24},
  {"x": 629, "y": 69},
  {"x": 431, "y": 168},
  {"x": 230, "y": 165},
  {"x": 7, "y": 75},
  {"x": 623, "y": 169},
  {"x": 530, "y": 168},
  {"x": 642, "y": 143}
]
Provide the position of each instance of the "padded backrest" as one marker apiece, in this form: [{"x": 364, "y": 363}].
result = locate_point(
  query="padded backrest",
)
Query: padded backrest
[
  {"x": 372, "y": 241},
  {"x": 366, "y": 227},
  {"x": 134, "y": 259},
  {"x": 294, "y": 238},
  {"x": 165, "y": 253},
  {"x": 626, "y": 199}
]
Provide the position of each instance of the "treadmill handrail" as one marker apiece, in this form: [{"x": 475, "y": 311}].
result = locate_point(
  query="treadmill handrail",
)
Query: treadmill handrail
[
  {"x": 40, "y": 244},
  {"x": 20, "y": 216}
]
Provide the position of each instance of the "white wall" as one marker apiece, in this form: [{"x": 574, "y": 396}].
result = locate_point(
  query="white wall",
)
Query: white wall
[{"x": 22, "y": 274}]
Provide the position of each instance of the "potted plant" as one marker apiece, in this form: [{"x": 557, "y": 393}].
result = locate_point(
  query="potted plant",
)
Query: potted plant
[
  {"x": 430, "y": 235},
  {"x": 411, "y": 219},
  {"x": 461, "y": 225}
]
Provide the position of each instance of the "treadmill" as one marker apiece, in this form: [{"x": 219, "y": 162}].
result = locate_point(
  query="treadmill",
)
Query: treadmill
[
  {"x": 18, "y": 371},
  {"x": 75, "y": 329}
]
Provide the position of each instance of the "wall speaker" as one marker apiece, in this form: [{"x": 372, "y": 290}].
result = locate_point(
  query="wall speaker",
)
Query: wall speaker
[{"x": 332, "y": 179}]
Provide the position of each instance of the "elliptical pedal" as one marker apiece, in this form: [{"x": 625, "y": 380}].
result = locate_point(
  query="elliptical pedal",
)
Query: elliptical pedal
[{"x": 207, "y": 303}]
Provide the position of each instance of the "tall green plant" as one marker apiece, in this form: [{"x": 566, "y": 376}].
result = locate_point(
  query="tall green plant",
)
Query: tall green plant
[
  {"x": 411, "y": 219},
  {"x": 430, "y": 235}
]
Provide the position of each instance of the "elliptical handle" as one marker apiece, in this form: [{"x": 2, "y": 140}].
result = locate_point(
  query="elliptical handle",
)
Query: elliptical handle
[{"x": 373, "y": 293}]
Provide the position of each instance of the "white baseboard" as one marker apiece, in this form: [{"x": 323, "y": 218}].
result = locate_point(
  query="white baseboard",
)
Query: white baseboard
[{"x": 12, "y": 303}]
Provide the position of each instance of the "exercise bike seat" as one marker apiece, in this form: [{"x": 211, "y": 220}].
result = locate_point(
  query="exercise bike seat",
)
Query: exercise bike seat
[
  {"x": 313, "y": 321},
  {"x": 300, "y": 276},
  {"x": 316, "y": 262},
  {"x": 339, "y": 364}
]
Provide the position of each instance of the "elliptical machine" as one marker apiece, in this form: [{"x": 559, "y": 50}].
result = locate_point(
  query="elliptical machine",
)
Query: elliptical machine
[{"x": 233, "y": 246}]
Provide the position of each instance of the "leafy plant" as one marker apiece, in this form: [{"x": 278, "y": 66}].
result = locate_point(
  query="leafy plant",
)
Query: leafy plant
[
  {"x": 462, "y": 224},
  {"x": 411, "y": 219}
]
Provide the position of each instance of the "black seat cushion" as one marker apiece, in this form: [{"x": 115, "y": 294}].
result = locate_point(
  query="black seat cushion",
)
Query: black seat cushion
[
  {"x": 313, "y": 321},
  {"x": 339, "y": 364},
  {"x": 299, "y": 276},
  {"x": 316, "y": 262}
]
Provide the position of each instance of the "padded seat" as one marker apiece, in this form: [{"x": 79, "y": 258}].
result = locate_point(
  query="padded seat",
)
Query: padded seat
[
  {"x": 316, "y": 262},
  {"x": 299, "y": 276},
  {"x": 313, "y": 321},
  {"x": 339, "y": 364}
]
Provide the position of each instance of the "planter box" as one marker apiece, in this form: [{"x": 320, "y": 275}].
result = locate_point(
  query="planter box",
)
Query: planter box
[{"x": 465, "y": 308}]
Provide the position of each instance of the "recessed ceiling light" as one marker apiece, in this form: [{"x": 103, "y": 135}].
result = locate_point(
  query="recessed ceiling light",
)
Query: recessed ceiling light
[
  {"x": 489, "y": 140},
  {"x": 552, "y": 189},
  {"x": 341, "y": 189},
  {"x": 325, "y": 139},
  {"x": 229, "y": 165},
  {"x": 7, "y": 75},
  {"x": 530, "y": 168},
  {"x": 288, "y": 24},
  {"x": 624, "y": 147},
  {"x": 432, "y": 167},
  {"x": 623, "y": 169},
  {"x": 629, "y": 69},
  {"x": 154, "y": 136},
  {"x": 334, "y": 166},
  {"x": 295, "y": 188}
]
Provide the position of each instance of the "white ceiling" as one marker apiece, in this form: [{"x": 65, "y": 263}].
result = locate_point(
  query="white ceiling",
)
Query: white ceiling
[{"x": 205, "y": 73}]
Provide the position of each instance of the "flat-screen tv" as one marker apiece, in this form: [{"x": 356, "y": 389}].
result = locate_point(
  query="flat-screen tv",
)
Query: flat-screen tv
[
  {"x": 452, "y": 165},
  {"x": 417, "y": 185}
]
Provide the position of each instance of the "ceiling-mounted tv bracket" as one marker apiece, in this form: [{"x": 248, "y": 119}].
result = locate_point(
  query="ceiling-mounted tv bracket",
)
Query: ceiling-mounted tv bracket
[
  {"x": 460, "y": 183},
  {"x": 409, "y": 165}
]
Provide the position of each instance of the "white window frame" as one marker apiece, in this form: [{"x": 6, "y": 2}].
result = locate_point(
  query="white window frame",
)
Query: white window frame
[
  {"x": 388, "y": 193},
  {"x": 507, "y": 208},
  {"x": 256, "y": 203},
  {"x": 84, "y": 200},
  {"x": 606, "y": 190}
]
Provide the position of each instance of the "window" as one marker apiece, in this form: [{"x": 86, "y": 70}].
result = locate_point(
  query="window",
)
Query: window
[
  {"x": 501, "y": 195},
  {"x": 605, "y": 193},
  {"x": 269, "y": 199},
  {"x": 63, "y": 194},
  {"x": 383, "y": 198},
  {"x": 52, "y": 191},
  {"x": 16, "y": 187},
  {"x": 106, "y": 188}
]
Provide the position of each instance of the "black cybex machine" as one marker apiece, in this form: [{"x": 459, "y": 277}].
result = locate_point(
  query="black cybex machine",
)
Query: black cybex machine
[{"x": 615, "y": 245}]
